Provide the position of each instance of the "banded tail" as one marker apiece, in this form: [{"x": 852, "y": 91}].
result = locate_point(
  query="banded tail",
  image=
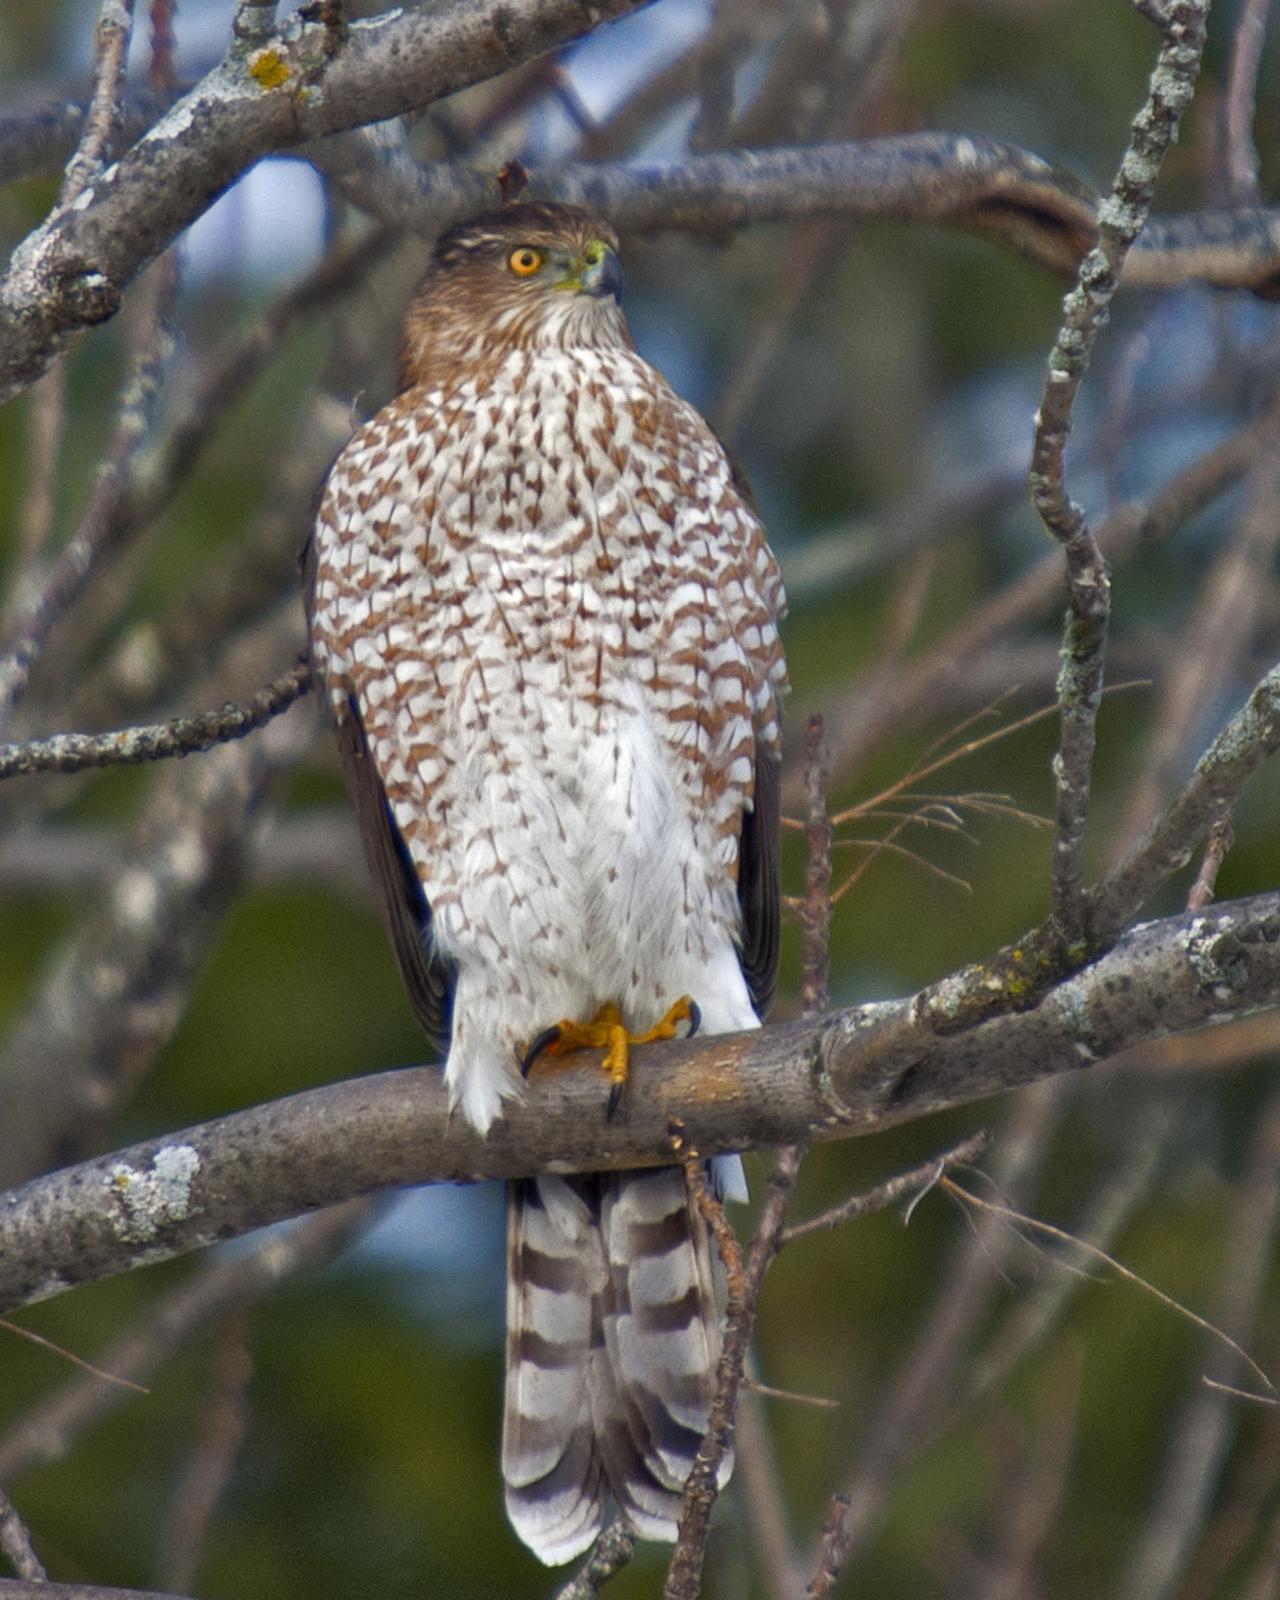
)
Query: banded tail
[{"x": 612, "y": 1341}]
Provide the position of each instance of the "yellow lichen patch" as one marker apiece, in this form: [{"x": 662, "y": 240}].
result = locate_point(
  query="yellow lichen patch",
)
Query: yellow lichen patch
[{"x": 267, "y": 70}]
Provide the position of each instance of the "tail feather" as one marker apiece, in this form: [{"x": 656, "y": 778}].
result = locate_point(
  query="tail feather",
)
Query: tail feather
[
  {"x": 612, "y": 1342},
  {"x": 663, "y": 1334},
  {"x": 555, "y": 1278}
]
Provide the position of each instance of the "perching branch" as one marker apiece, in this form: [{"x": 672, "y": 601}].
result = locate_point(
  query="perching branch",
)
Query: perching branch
[{"x": 852, "y": 1071}]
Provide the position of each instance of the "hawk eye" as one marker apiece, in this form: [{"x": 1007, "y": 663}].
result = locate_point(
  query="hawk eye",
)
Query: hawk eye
[{"x": 525, "y": 261}]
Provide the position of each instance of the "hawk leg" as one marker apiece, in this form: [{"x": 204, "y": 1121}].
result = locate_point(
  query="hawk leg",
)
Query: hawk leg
[{"x": 606, "y": 1032}]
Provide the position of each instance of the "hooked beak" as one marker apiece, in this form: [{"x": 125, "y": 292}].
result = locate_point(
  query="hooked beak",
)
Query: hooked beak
[{"x": 603, "y": 276}]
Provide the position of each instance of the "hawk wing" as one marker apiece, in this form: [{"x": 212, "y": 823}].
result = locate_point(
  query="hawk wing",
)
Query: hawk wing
[
  {"x": 758, "y": 865},
  {"x": 428, "y": 978},
  {"x": 758, "y": 888}
]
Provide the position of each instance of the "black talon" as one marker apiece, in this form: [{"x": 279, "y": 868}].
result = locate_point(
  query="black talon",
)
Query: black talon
[
  {"x": 695, "y": 1018},
  {"x": 544, "y": 1041},
  {"x": 615, "y": 1100}
]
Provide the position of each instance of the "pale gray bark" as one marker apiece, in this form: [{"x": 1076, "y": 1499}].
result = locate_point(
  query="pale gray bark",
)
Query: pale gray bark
[{"x": 853, "y": 1071}]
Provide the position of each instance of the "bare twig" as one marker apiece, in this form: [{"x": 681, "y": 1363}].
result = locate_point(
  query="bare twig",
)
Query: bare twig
[
  {"x": 1035, "y": 1225},
  {"x": 830, "y": 1549},
  {"x": 223, "y": 1419},
  {"x": 16, "y": 1331},
  {"x": 111, "y": 47},
  {"x": 74, "y": 752},
  {"x": 609, "y": 1554},
  {"x": 684, "y": 1573},
  {"x": 15, "y": 1543},
  {"x": 1120, "y": 221},
  {"x": 232, "y": 1278},
  {"x": 908, "y": 1412},
  {"x": 1215, "y": 853},
  {"x": 1241, "y": 102},
  {"x": 1218, "y": 640},
  {"x": 99, "y": 526},
  {"x": 1250, "y": 737},
  {"x": 1196, "y": 1451},
  {"x": 13, "y": 1589},
  {"x": 815, "y": 913},
  {"x": 888, "y": 1193}
]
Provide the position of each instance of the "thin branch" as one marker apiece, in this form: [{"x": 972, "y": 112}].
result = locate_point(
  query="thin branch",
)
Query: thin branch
[
  {"x": 231, "y": 1278},
  {"x": 1020, "y": 1220},
  {"x": 815, "y": 911},
  {"x": 684, "y": 1573},
  {"x": 745, "y": 1283},
  {"x": 16, "y": 1545},
  {"x": 1023, "y": 972},
  {"x": 100, "y": 524},
  {"x": 1240, "y": 106},
  {"x": 1196, "y": 1450},
  {"x": 888, "y": 1193},
  {"x": 1120, "y": 220},
  {"x": 830, "y": 1549},
  {"x": 608, "y": 1555},
  {"x": 74, "y": 752},
  {"x": 16, "y": 1331},
  {"x": 224, "y": 1417},
  {"x": 13, "y": 1589},
  {"x": 111, "y": 49},
  {"x": 909, "y": 1402},
  {"x": 1215, "y": 853},
  {"x": 1249, "y": 739}
]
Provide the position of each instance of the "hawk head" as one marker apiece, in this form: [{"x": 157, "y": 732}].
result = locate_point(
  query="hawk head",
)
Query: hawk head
[{"x": 523, "y": 276}]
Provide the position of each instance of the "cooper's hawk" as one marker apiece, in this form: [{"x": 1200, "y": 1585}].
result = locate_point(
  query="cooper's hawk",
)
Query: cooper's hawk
[{"x": 546, "y": 616}]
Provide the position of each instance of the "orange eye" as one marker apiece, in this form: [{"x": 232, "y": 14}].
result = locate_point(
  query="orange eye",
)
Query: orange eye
[{"x": 525, "y": 261}]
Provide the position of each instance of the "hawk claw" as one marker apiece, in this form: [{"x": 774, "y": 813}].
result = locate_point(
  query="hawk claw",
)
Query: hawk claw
[
  {"x": 544, "y": 1041},
  {"x": 606, "y": 1032}
]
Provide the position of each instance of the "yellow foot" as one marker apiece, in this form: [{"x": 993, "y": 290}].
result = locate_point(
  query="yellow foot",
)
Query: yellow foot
[{"x": 606, "y": 1032}]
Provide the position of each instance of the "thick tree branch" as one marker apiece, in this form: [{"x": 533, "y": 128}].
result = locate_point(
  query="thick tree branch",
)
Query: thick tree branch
[
  {"x": 73, "y": 270},
  {"x": 853, "y": 1071}
]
